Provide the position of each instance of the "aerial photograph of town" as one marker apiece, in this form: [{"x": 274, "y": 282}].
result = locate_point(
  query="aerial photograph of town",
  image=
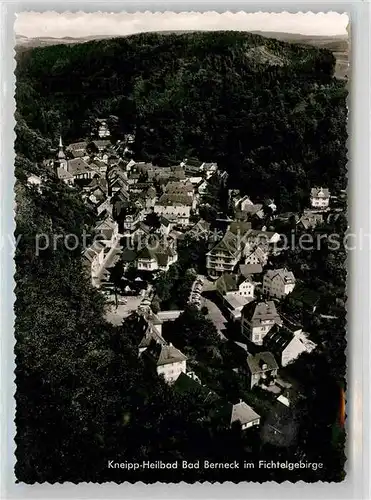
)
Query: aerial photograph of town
[{"x": 181, "y": 208}]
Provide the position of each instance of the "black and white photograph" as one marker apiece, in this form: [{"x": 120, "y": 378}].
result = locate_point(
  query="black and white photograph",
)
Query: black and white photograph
[{"x": 180, "y": 246}]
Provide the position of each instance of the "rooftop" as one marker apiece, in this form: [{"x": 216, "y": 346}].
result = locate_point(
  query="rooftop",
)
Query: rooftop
[
  {"x": 256, "y": 362},
  {"x": 244, "y": 413}
]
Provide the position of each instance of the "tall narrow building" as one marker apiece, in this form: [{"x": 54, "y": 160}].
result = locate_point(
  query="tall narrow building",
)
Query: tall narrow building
[{"x": 61, "y": 161}]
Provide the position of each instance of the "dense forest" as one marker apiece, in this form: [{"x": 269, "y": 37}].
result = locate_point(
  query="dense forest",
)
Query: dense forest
[
  {"x": 272, "y": 115},
  {"x": 269, "y": 112}
]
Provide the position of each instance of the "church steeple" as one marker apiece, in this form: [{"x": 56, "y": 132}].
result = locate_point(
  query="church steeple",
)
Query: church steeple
[{"x": 61, "y": 154}]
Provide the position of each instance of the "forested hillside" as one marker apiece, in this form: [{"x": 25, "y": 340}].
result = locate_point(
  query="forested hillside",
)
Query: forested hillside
[{"x": 269, "y": 112}]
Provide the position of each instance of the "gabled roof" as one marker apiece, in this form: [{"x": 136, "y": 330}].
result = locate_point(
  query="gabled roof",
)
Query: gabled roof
[
  {"x": 260, "y": 254},
  {"x": 98, "y": 182},
  {"x": 78, "y": 166},
  {"x": 284, "y": 274},
  {"x": 229, "y": 245},
  {"x": 174, "y": 199},
  {"x": 309, "y": 220},
  {"x": 243, "y": 413},
  {"x": 102, "y": 143},
  {"x": 280, "y": 338},
  {"x": 77, "y": 146},
  {"x": 256, "y": 312},
  {"x": 63, "y": 174},
  {"x": 164, "y": 354},
  {"x": 255, "y": 362},
  {"x": 151, "y": 334},
  {"x": 320, "y": 192}
]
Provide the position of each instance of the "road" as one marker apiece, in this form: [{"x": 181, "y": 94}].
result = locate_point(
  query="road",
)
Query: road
[{"x": 216, "y": 316}]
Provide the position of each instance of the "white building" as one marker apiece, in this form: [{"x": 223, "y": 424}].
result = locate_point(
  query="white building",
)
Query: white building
[
  {"x": 234, "y": 284},
  {"x": 244, "y": 414},
  {"x": 319, "y": 197},
  {"x": 278, "y": 283},
  {"x": 168, "y": 360},
  {"x": 258, "y": 256},
  {"x": 174, "y": 205},
  {"x": 288, "y": 344},
  {"x": 257, "y": 318},
  {"x": 158, "y": 256}
]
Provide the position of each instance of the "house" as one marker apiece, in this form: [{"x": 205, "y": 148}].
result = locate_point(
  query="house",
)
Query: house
[
  {"x": 262, "y": 369},
  {"x": 102, "y": 145},
  {"x": 77, "y": 149},
  {"x": 129, "y": 218},
  {"x": 105, "y": 206},
  {"x": 103, "y": 130},
  {"x": 157, "y": 255},
  {"x": 107, "y": 229},
  {"x": 98, "y": 165},
  {"x": 65, "y": 176},
  {"x": 181, "y": 188},
  {"x": 34, "y": 180},
  {"x": 165, "y": 226},
  {"x": 167, "y": 360},
  {"x": 287, "y": 344},
  {"x": 98, "y": 187},
  {"x": 224, "y": 256},
  {"x": 209, "y": 169},
  {"x": 93, "y": 258},
  {"x": 79, "y": 169},
  {"x": 202, "y": 188},
  {"x": 242, "y": 203},
  {"x": 178, "y": 205},
  {"x": 234, "y": 284},
  {"x": 256, "y": 257},
  {"x": 201, "y": 230},
  {"x": 310, "y": 220},
  {"x": 236, "y": 291},
  {"x": 278, "y": 283},
  {"x": 243, "y": 413},
  {"x": 151, "y": 334},
  {"x": 257, "y": 237},
  {"x": 257, "y": 318},
  {"x": 319, "y": 197}
]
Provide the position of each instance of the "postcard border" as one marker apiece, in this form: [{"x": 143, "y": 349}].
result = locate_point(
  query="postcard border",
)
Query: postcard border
[{"x": 356, "y": 485}]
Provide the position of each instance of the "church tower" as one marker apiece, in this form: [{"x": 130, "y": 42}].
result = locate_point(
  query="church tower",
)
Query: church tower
[{"x": 62, "y": 162}]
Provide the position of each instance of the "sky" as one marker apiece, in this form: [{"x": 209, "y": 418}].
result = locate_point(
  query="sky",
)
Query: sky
[{"x": 44, "y": 24}]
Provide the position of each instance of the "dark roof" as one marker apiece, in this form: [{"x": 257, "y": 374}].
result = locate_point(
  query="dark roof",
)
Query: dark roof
[
  {"x": 256, "y": 362},
  {"x": 175, "y": 199},
  {"x": 278, "y": 339},
  {"x": 128, "y": 255},
  {"x": 248, "y": 269},
  {"x": 260, "y": 311},
  {"x": 78, "y": 166},
  {"x": 164, "y": 354}
]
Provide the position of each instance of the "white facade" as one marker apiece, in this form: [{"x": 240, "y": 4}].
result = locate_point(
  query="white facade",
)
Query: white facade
[
  {"x": 278, "y": 283},
  {"x": 171, "y": 371},
  {"x": 246, "y": 289},
  {"x": 299, "y": 344},
  {"x": 257, "y": 256},
  {"x": 320, "y": 198},
  {"x": 181, "y": 212}
]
